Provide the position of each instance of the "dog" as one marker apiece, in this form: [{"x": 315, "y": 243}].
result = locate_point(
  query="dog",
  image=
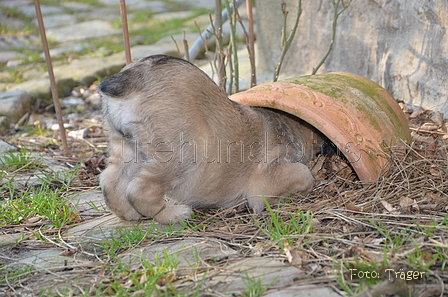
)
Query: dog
[{"x": 178, "y": 142}]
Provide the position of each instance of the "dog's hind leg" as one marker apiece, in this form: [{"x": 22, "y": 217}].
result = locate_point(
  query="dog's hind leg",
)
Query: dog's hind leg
[{"x": 279, "y": 180}]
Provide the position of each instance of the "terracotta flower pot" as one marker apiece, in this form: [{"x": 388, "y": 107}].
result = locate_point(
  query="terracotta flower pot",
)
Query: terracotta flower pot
[{"x": 359, "y": 116}]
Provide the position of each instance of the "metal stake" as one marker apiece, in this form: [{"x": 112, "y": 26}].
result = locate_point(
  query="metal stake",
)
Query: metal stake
[
  {"x": 54, "y": 91},
  {"x": 124, "y": 26}
]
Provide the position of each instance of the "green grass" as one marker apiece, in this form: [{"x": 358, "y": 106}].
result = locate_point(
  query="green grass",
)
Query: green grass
[
  {"x": 408, "y": 255},
  {"x": 17, "y": 14},
  {"x": 47, "y": 201},
  {"x": 255, "y": 287},
  {"x": 22, "y": 160},
  {"x": 11, "y": 274},
  {"x": 125, "y": 239},
  {"x": 286, "y": 225},
  {"x": 41, "y": 202}
]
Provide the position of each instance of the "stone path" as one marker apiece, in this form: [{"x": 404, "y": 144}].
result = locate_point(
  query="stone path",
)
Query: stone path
[{"x": 72, "y": 26}]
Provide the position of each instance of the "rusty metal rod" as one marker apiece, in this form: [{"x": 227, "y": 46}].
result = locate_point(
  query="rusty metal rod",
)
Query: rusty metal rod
[
  {"x": 54, "y": 91},
  {"x": 124, "y": 27}
]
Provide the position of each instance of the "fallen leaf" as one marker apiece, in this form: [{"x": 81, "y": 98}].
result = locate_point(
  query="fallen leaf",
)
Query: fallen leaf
[
  {"x": 295, "y": 258},
  {"x": 69, "y": 252},
  {"x": 94, "y": 162},
  {"x": 417, "y": 112},
  {"x": 33, "y": 220},
  {"x": 406, "y": 202},
  {"x": 315, "y": 222},
  {"x": 359, "y": 252},
  {"x": 415, "y": 206},
  {"x": 316, "y": 165},
  {"x": 419, "y": 138},
  {"x": 377, "y": 241},
  {"x": 387, "y": 206},
  {"x": 429, "y": 127},
  {"x": 437, "y": 117},
  {"x": 434, "y": 172},
  {"x": 352, "y": 207}
]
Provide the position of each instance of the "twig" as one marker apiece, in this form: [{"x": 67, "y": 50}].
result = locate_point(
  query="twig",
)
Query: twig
[
  {"x": 233, "y": 62},
  {"x": 207, "y": 53},
  {"x": 219, "y": 56},
  {"x": 250, "y": 46},
  {"x": 177, "y": 47},
  {"x": 286, "y": 42},
  {"x": 336, "y": 15},
  {"x": 251, "y": 43},
  {"x": 187, "y": 55}
]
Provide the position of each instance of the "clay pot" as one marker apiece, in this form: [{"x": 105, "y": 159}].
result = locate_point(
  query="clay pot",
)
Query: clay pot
[{"x": 359, "y": 116}]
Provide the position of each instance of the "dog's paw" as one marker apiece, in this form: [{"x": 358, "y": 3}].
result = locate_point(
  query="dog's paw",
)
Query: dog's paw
[
  {"x": 173, "y": 214},
  {"x": 256, "y": 203}
]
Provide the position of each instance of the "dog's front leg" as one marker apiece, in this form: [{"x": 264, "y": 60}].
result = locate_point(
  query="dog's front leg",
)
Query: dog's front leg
[{"x": 146, "y": 194}]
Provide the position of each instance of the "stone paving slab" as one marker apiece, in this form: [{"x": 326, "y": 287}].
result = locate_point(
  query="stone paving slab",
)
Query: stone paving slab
[
  {"x": 51, "y": 259},
  {"x": 235, "y": 277},
  {"x": 153, "y": 6},
  {"x": 304, "y": 291},
  {"x": 30, "y": 10},
  {"x": 14, "y": 3},
  {"x": 6, "y": 147},
  {"x": 188, "y": 252},
  {"x": 12, "y": 23},
  {"x": 77, "y": 6},
  {"x": 82, "y": 31},
  {"x": 14, "y": 104},
  {"x": 90, "y": 233},
  {"x": 10, "y": 239},
  {"x": 207, "y": 4},
  {"x": 5, "y": 56},
  {"x": 57, "y": 20}
]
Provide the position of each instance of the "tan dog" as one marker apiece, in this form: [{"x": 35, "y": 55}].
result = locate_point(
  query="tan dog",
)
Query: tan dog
[{"x": 174, "y": 134}]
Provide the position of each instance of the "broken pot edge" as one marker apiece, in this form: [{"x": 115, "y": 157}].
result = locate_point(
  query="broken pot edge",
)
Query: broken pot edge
[{"x": 359, "y": 116}]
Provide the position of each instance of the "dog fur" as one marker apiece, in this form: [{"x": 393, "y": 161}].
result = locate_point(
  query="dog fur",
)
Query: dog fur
[{"x": 173, "y": 134}]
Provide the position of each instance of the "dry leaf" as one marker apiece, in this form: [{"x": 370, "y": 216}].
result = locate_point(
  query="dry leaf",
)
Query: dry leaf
[
  {"x": 144, "y": 277},
  {"x": 387, "y": 206},
  {"x": 417, "y": 112},
  {"x": 360, "y": 252},
  {"x": 377, "y": 241},
  {"x": 287, "y": 250},
  {"x": 369, "y": 240},
  {"x": 352, "y": 207},
  {"x": 419, "y": 138},
  {"x": 316, "y": 166},
  {"x": 405, "y": 202},
  {"x": 315, "y": 222},
  {"x": 69, "y": 252},
  {"x": 33, "y": 220},
  {"x": 415, "y": 206},
  {"x": 429, "y": 127},
  {"x": 294, "y": 257},
  {"x": 437, "y": 117},
  {"x": 435, "y": 172},
  {"x": 94, "y": 162}
]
